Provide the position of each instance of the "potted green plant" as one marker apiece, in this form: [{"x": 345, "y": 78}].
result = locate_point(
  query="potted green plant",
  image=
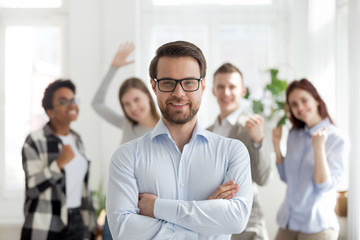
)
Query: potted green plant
[
  {"x": 99, "y": 200},
  {"x": 273, "y": 103}
]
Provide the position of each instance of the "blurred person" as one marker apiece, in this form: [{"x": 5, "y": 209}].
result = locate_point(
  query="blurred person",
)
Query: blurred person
[
  {"x": 312, "y": 167},
  {"x": 57, "y": 198},
  {"x": 179, "y": 181},
  {"x": 235, "y": 121},
  {"x": 139, "y": 111}
]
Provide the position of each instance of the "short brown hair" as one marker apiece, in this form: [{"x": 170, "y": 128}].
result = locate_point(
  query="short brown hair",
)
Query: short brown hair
[
  {"x": 228, "y": 68},
  {"x": 178, "y": 49},
  {"x": 137, "y": 83}
]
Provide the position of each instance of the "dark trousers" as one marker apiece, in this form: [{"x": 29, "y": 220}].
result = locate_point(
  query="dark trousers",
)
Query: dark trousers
[
  {"x": 106, "y": 231},
  {"x": 75, "y": 228}
]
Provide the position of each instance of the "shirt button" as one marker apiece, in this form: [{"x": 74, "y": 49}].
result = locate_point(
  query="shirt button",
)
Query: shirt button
[{"x": 181, "y": 185}]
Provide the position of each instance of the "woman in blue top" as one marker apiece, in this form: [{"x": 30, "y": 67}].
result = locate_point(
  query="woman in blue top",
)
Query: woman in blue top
[{"x": 312, "y": 167}]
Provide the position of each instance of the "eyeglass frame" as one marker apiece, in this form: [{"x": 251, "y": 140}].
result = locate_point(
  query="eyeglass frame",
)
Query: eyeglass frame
[
  {"x": 67, "y": 102},
  {"x": 180, "y": 82}
]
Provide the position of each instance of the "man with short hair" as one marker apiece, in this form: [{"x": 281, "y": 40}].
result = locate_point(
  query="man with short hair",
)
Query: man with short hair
[
  {"x": 179, "y": 181},
  {"x": 235, "y": 122}
]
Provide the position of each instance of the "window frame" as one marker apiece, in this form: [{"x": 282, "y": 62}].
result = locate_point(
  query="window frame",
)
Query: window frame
[
  {"x": 213, "y": 17},
  {"x": 10, "y": 17}
]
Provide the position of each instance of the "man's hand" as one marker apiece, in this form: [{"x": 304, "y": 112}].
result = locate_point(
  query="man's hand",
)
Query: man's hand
[
  {"x": 146, "y": 204},
  {"x": 225, "y": 191},
  {"x": 255, "y": 127},
  {"x": 66, "y": 155}
]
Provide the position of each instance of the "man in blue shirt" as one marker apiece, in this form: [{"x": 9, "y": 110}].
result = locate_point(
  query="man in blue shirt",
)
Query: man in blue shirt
[{"x": 179, "y": 181}]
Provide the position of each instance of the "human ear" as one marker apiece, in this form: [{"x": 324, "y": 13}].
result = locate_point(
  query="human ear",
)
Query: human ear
[
  {"x": 203, "y": 83},
  {"x": 50, "y": 113},
  {"x": 243, "y": 91},
  {"x": 153, "y": 84}
]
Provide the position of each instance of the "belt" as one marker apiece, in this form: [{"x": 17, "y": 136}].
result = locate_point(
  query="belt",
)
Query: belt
[{"x": 74, "y": 210}]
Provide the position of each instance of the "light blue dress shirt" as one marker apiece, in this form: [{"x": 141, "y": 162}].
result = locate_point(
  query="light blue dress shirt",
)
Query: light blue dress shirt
[
  {"x": 183, "y": 181},
  {"x": 309, "y": 207}
]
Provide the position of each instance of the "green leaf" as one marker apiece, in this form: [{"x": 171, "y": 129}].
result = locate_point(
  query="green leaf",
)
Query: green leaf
[
  {"x": 280, "y": 105},
  {"x": 282, "y": 121},
  {"x": 257, "y": 106},
  {"x": 276, "y": 87},
  {"x": 247, "y": 94},
  {"x": 273, "y": 73}
]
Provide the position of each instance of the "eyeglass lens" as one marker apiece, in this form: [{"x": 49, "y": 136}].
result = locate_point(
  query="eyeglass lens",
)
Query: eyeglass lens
[{"x": 169, "y": 85}]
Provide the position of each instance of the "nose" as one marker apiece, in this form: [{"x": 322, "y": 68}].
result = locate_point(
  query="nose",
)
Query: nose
[
  {"x": 132, "y": 107},
  {"x": 178, "y": 91},
  {"x": 72, "y": 104},
  {"x": 227, "y": 91}
]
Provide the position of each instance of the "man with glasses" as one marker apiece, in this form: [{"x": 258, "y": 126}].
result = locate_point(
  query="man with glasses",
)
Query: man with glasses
[{"x": 179, "y": 181}]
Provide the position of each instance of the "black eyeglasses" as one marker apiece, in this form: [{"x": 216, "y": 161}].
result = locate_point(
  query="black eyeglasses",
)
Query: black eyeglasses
[{"x": 187, "y": 84}]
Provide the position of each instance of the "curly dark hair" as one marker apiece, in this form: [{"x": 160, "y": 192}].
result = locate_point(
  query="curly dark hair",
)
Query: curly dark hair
[{"x": 47, "y": 101}]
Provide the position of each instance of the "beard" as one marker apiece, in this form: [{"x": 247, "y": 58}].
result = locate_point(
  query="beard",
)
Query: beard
[{"x": 179, "y": 117}]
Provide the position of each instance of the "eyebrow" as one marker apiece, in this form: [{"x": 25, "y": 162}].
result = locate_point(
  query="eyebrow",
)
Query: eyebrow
[
  {"x": 169, "y": 78},
  {"x": 66, "y": 98}
]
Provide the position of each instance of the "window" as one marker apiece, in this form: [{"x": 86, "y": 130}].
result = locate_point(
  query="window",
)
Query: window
[
  {"x": 30, "y": 4},
  {"x": 32, "y": 60},
  {"x": 248, "y": 41},
  {"x": 214, "y": 2},
  {"x": 32, "y": 43}
]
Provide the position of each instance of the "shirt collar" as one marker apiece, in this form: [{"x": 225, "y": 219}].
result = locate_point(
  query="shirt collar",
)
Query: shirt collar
[
  {"x": 50, "y": 133},
  {"x": 232, "y": 118},
  {"x": 161, "y": 129},
  {"x": 324, "y": 123}
]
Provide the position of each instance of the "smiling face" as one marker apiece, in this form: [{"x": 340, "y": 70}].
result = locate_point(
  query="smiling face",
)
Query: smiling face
[
  {"x": 304, "y": 107},
  {"x": 136, "y": 104},
  {"x": 64, "y": 109},
  {"x": 228, "y": 90},
  {"x": 178, "y": 107}
]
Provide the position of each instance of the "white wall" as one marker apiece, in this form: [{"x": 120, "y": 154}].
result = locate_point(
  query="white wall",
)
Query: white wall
[
  {"x": 84, "y": 61},
  {"x": 95, "y": 34},
  {"x": 354, "y": 72}
]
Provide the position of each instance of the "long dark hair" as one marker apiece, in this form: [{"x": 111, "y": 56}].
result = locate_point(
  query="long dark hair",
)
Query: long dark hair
[
  {"x": 306, "y": 85},
  {"x": 138, "y": 84}
]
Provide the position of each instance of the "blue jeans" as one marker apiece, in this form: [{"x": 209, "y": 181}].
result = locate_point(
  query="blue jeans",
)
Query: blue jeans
[{"x": 106, "y": 231}]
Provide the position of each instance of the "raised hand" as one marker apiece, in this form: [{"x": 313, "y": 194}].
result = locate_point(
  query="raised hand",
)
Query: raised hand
[
  {"x": 319, "y": 137},
  {"x": 255, "y": 127},
  {"x": 67, "y": 154},
  {"x": 120, "y": 58},
  {"x": 225, "y": 191}
]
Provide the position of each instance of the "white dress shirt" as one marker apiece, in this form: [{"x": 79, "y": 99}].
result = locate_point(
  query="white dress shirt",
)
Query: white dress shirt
[{"x": 183, "y": 181}]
